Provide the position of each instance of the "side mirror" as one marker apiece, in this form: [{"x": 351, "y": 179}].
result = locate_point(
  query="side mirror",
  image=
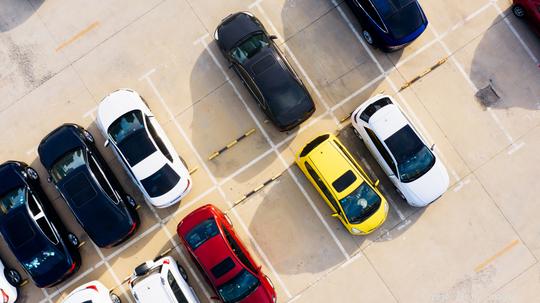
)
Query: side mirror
[
  {"x": 273, "y": 37},
  {"x": 377, "y": 183},
  {"x": 106, "y": 143},
  {"x": 432, "y": 147},
  {"x": 335, "y": 215}
]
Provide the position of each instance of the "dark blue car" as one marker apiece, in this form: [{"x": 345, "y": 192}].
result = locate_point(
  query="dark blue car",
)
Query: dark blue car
[
  {"x": 389, "y": 24},
  {"x": 32, "y": 228},
  {"x": 90, "y": 189}
]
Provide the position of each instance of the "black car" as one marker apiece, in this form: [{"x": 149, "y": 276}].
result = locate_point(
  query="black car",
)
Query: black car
[
  {"x": 264, "y": 70},
  {"x": 32, "y": 229},
  {"x": 88, "y": 186},
  {"x": 389, "y": 24}
]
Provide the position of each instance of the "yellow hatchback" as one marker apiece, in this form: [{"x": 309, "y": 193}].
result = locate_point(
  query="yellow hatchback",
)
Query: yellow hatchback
[{"x": 344, "y": 185}]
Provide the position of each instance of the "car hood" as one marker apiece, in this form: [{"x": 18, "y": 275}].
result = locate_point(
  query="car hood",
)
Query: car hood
[
  {"x": 115, "y": 105},
  {"x": 428, "y": 187},
  {"x": 234, "y": 28}
]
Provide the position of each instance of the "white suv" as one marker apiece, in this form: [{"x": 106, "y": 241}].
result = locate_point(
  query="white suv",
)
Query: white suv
[
  {"x": 161, "y": 281},
  {"x": 94, "y": 292},
  {"x": 418, "y": 174}
]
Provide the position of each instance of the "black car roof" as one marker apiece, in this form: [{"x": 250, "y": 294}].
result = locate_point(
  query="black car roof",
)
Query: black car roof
[
  {"x": 235, "y": 28},
  {"x": 9, "y": 177},
  {"x": 61, "y": 140}
]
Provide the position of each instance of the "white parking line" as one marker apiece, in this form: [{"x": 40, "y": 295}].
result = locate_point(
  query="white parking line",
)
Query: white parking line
[
  {"x": 506, "y": 133},
  {"x": 514, "y": 31},
  {"x": 111, "y": 271},
  {"x": 276, "y": 151},
  {"x": 212, "y": 177},
  {"x": 71, "y": 282}
]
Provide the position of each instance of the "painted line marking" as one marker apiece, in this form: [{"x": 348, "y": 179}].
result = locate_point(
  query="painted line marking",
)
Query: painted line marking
[
  {"x": 78, "y": 35},
  {"x": 500, "y": 253}
]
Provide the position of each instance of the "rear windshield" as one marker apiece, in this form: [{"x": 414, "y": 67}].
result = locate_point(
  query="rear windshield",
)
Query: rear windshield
[
  {"x": 201, "y": 233},
  {"x": 344, "y": 181},
  {"x": 70, "y": 162},
  {"x": 13, "y": 199},
  {"x": 161, "y": 181}
]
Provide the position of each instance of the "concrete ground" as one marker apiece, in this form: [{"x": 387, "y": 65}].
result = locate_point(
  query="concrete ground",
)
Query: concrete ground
[{"x": 478, "y": 243}]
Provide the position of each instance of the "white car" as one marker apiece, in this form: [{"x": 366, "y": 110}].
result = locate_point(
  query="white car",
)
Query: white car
[
  {"x": 142, "y": 146},
  {"x": 418, "y": 174},
  {"x": 161, "y": 281},
  {"x": 10, "y": 280},
  {"x": 94, "y": 292}
]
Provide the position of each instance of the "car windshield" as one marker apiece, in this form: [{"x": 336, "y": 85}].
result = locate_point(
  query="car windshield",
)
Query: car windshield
[
  {"x": 68, "y": 163},
  {"x": 129, "y": 134},
  {"x": 238, "y": 287},
  {"x": 12, "y": 199},
  {"x": 413, "y": 157},
  {"x": 161, "y": 181},
  {"x": 402, "y": 17},
  {"x": 201, "y": 233},
  {"x": 360, "y": 204},
  {"x": 249, "y": 47}
]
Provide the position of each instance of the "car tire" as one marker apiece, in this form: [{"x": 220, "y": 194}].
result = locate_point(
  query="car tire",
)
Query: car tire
[
  {"x": 32, "y": 173},
  {"x": 131, "y": 202},
  {"x": 115, "y": 298},
  {"x": 13, "y": 277},
  {"x": 519, "y": 11},
  {"x": 182, "y": 272},
  {"x": 368, "y": 37},
  {"x": 88, "y": 136},
  {"x": 73, "y": 240}
]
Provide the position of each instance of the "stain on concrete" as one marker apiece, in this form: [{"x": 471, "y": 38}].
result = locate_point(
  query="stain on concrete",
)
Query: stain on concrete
[
  {"x": 464, "y": 290},
  {"x": 24, "y": 59}
]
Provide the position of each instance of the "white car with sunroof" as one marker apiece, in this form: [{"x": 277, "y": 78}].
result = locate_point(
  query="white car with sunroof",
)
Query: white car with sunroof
[
  {"x": 94, "y": 292},
  {"x": 163, "y": 281},
  {"x": 417, "y": 172},
  {"x": 143, "y": 148}
]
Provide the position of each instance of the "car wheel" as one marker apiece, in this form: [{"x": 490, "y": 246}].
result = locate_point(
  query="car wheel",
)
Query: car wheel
[
  {"x": 367, "y": 36},
  {"x": 88, "y": 136},
  {"x": 32, "y": 173},
  {"x": 131, "y": 202},
  {"x": 14, "y": 277},
  {"x": 518, "y": 11},
  {"x": 182, "y": 271},
  {"x": 115, "y": 298},
  {"x": 73, "y": 240},
  {"x": 355, "y": 131}
]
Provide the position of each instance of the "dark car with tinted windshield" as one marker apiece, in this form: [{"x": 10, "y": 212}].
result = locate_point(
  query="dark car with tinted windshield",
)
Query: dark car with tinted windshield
[
  {"x": 389, "y": 24},
  {"x": 32, "y": 229},
  {"x": 263, "y": 69},
  {"x": 88, "y": 186}
]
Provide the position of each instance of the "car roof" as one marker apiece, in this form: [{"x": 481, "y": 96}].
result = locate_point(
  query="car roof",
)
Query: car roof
[
  {"x": 331, "y": 163},
  {"x": 214, "y": 251},
  {"x": 235, "y": 28},
  {"x": 151, "y": 289},
  {"x": 387, "y": 121},
  {"x": 57, "y": 143}
]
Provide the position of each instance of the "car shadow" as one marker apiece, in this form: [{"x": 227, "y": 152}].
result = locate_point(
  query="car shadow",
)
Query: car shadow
[
  {"x": 15, "y": 12},
  {"x": 501, "y": 69}
]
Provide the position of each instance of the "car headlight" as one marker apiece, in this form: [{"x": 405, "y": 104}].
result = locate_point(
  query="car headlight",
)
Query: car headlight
[{"x": 356, "y": 231}]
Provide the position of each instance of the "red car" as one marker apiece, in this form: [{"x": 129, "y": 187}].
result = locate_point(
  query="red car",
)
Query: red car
[
  {"x": 208, "y": 235},
  {"x": 530, "y": 10}
]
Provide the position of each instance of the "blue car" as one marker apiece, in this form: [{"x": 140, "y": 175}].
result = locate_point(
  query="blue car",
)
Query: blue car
[
  {"x": 389, "y": 24},
  {"x": 32, "y": 229}
]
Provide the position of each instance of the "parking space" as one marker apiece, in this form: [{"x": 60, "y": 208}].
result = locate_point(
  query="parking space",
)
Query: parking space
[{"x": 477, "y": 243}]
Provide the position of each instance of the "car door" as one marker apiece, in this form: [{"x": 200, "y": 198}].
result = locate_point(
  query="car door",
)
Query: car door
[
  {"x": 381, "y": 154},
  {"x": 322, "y": 188}
]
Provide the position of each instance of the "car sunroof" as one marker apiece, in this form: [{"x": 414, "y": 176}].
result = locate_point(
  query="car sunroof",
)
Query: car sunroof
[{"x": 223, "y": 267}]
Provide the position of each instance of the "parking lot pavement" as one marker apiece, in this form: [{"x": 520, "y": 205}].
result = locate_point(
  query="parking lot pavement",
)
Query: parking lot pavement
[
  {"x": 522, "y": 289},
  {"x": 453, "y": 244}
]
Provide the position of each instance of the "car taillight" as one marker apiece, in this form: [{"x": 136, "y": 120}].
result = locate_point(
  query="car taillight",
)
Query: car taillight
[
  {"x": 188, "y": 183},
  {"x": 92, "y": 287},
  {"x": 5, "y": 297},
  {"x": 133, "y": 226},
  {"x": 72, "y": 268},
  {"x": 166, "y": 261}
]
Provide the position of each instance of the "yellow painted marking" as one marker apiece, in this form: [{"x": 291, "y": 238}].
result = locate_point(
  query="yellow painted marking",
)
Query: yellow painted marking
[
  {"x": 193, "y": 170},
  {"x": 212, "y": 156},
  {"x": 251, "y": 131},
  {"x": 258, "y": 188},
  {"x": 240, "y": 200},
  {"x": 497, "y": 255},
  {"x": 23, "y": 283},
  {"x": 232, "y": 144},
  {"x": 78, "y": 35}
]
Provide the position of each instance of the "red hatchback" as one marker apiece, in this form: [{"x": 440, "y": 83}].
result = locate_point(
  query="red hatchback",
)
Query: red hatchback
[
  {"x": 530, "y": 10},
  {"x": 208, "y": 235}
]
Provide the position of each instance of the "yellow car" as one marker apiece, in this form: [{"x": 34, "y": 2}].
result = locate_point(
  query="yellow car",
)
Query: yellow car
[{"x": 344, "y": 185}]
